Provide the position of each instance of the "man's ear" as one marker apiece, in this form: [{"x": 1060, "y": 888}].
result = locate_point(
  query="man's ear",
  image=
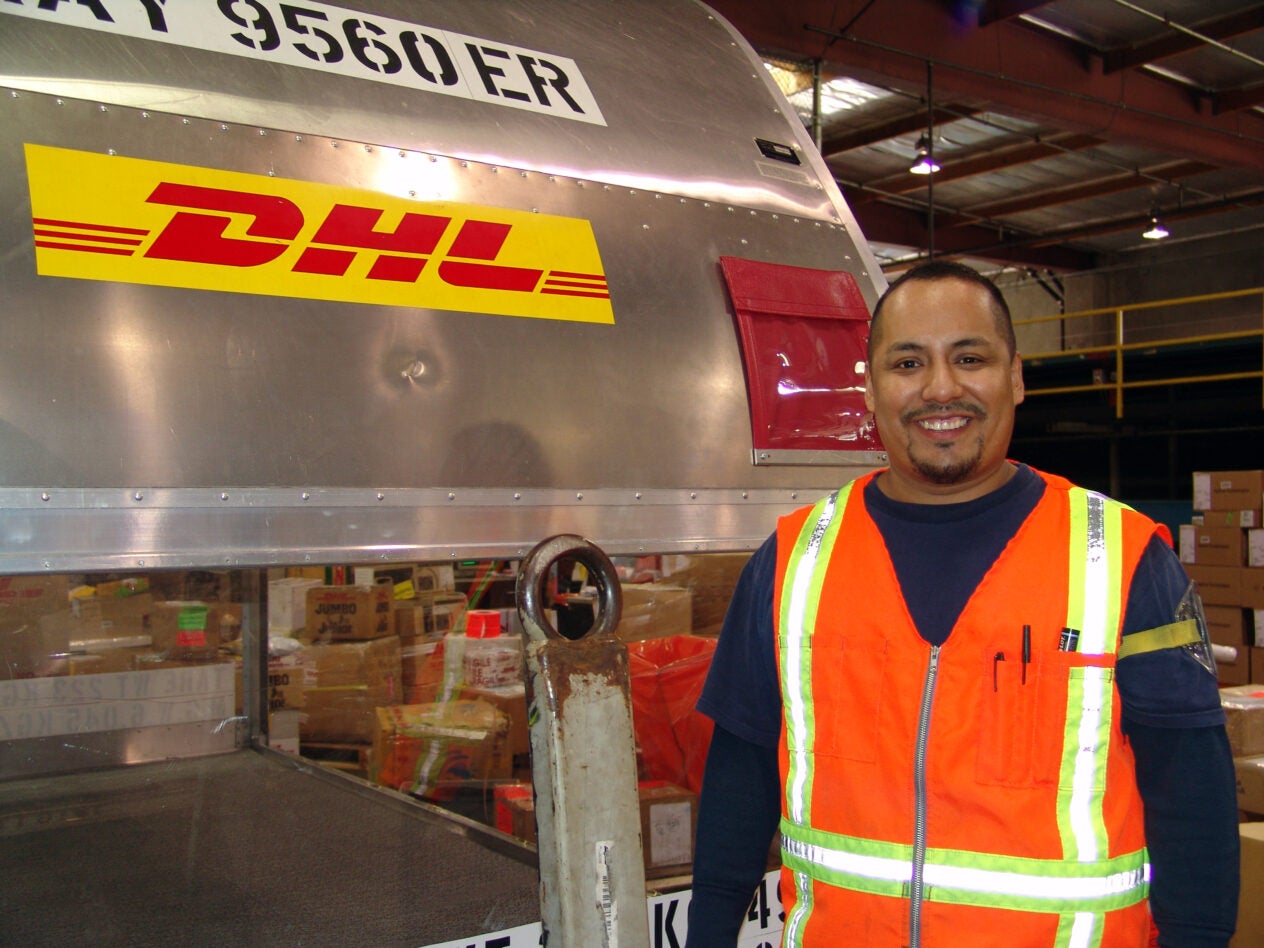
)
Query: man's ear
[
  {"x": 1016, "y": 379},
  {"x": 868, "y": 389}
]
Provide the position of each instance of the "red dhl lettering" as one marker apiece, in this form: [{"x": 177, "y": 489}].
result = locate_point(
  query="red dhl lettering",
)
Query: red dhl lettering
[{"x": 347, "y": 231}]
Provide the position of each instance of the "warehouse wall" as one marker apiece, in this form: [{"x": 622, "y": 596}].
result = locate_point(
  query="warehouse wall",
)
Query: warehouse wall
[{"x": 1165, "y": 433}]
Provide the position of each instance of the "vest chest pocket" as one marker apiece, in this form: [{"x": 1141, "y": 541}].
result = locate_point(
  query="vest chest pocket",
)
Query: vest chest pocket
[
  {"x": 1030, "y": 734},
  {"x": 848, "y": 681}
]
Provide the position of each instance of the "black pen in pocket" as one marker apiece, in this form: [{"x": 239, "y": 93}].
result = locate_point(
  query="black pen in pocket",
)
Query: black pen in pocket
[{"x": 998, "y": 657}]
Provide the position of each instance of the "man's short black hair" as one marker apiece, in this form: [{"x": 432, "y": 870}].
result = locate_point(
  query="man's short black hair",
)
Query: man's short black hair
[{"x": 951, "y": 270}]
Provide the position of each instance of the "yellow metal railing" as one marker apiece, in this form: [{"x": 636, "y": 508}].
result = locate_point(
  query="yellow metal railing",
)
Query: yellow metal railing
[{"x": 1120, "y": 345}]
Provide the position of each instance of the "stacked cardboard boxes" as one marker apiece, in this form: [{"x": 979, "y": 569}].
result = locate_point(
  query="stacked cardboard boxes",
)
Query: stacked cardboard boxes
[{"x": 1214, "y": 549}]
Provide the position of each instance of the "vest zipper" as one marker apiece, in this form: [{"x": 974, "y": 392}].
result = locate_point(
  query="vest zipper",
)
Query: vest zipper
[{"x": 919, "y": 800}]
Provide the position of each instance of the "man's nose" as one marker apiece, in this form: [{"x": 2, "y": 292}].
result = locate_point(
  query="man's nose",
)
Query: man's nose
[{"x": 942, "y": 383}]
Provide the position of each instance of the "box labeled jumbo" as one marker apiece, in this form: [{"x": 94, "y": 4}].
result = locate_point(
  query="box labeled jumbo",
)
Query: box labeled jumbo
[
  {"x": 341, "y": 613},
  {"x": 1228, "y": 490}
]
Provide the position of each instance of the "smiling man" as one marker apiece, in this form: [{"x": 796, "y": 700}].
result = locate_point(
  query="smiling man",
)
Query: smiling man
[{"x": 977, "y": 700}]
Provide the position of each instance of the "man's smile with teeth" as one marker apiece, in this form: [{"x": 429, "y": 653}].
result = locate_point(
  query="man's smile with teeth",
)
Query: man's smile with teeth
[{"x": 943, "y": 424}]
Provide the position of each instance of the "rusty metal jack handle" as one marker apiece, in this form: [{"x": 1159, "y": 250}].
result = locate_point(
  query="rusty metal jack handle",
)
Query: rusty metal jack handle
[
  {"x": 583, "y": 762},
  {"x": 533, "y": 578}
]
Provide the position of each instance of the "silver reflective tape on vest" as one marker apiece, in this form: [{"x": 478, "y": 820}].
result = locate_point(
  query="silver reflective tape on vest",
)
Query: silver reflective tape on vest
[
  {"x": 868, "y": 867},
  {"x": 1082, "y": 811},
  {"x": 997, "y": 882},
  {"x": 1096, "y": 579}
]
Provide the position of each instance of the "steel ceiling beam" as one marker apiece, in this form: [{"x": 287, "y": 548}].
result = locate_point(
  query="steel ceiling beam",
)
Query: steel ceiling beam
[
  {"x": 1173, "y": 44},
  {"x": 1014, "y": 68},
  {"x": 1069, "y": 194},
  {"x": 839, "y": 138},
  {"x": 906, "y": 227},
  {"x": 995, "y": 159},
  {"x": 993, "y": 11}
]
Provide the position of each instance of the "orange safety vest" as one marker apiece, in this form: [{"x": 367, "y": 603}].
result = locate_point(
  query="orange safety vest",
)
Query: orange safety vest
[{"x": 956, "y": 794}]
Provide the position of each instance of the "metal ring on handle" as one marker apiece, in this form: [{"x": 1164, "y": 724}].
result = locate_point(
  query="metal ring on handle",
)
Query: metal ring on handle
[{"x": 533, "y": 575}]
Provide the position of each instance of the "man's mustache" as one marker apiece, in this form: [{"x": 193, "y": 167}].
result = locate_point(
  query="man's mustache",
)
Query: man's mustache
[{"x": 956, "y": 408}]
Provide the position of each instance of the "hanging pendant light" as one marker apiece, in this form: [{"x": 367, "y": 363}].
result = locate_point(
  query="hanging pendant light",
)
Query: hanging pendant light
[
  {"x": 925, "y": 162},
  {"x": 1156, "y": 230}
]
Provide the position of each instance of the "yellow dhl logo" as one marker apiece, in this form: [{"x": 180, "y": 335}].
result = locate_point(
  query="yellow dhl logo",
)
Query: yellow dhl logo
[{"x": 99, "y": 217}]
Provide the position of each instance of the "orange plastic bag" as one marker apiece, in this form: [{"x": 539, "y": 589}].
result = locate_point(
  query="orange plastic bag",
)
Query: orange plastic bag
[{"x": 667, "y": 678}]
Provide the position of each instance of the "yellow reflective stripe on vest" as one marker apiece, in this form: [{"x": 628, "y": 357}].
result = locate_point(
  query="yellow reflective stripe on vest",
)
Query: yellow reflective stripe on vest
[
  {"x": 1172, "y": 635},
  {"x": 801, "y": 592},
  {"x": 961, "y": 877},
  {"x": 800, "y": 596}
]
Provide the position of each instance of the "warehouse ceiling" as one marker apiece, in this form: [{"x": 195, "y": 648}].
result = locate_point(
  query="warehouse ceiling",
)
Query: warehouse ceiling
[{"x": 1061, "y": 127}]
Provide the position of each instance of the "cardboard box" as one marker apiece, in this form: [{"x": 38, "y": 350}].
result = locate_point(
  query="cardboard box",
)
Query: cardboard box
[
  {"x": 408, "y": 619},
  {"x": 511, "y": 701},
  {"x": 283, "y": 730},
  {"x": 1244, "y": 718},
  {"x": 710, "y": 579},
  {"x": 348, "y": 613},
  {"x": 444, "y": 612},
  {"x": 173, "y": 626},
  {"x": 431, "y": 750},
  {"x": 1228, "y": 518},
  {"x": 1250, "y": 933},
  {"x": 25, "y": 597},
  {"x": 421, "y": 666},
  {"x": 1251, "y": 587},
  {"x": 349, "y": 681},
  {"x": 435, "y": 579},
  {"x": 1227, "y": 490},
  {"x": 1233, "y": 664},
  {"x": 1212, "y": 546},
  {"x": 1228, "y": 625},
  {"x": 204, "y": 585},
  {"x": 130, "y": 611},
  {"x": 654, "y": 610},
  {"x": 1218, "y": 585},
  {"x": 287, "y": 604},
  {"x": 288, "y": 679},
  {"x": 669, "y": 818}
]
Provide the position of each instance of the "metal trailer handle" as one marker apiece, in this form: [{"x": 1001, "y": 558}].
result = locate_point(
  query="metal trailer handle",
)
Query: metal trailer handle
[
  {"x": 583, "y": 762},
  {"x": 529, "y": 591}
]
